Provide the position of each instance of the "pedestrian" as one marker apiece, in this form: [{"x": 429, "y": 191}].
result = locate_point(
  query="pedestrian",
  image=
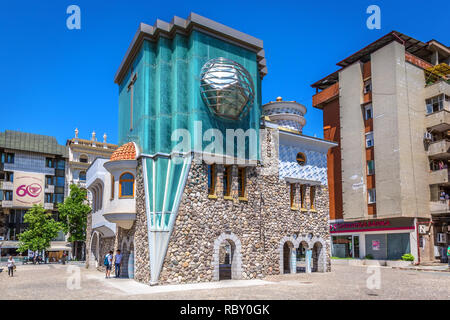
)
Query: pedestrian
[
  {"x": 11, "y": 266},
  {"x": 108, "y": 264},
  {"x": 448, "y": 256},
  {"x": 118, "y": 258}
]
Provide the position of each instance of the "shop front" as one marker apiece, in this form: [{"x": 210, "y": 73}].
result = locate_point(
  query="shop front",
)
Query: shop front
[{"x": 386, "y": 239}]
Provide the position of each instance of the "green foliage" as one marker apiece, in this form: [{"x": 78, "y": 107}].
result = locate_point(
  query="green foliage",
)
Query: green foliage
[
  {"x": 368, "y": 256},
  {"x": 42, "y": 229},
  {"x": 408, "y": 257},
  {"x": 73, "y": 214}
]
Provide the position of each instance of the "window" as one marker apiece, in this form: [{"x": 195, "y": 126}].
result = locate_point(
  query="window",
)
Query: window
[
  {"x": 126, "y": 185},
  {"x": 112, "y": 187},
  {"x": 301, "y": 158},
  {"x": 9, "y": 176},
  {"x": 227, "y": 181},
  {"x": 212, "y": 179},
  {"x": 367, "y": 86},
  {"x": 1, "y": 195},
  {"x": 8, "y": 195},
  {"x": 312, "y": 197},
  {"x": 435, "y": 104},
  {"x": 59, "y": 197},
  {"x": 370, "y": 167},
  {"x": 369, "y": 139},
  {"x": 302, "y": 196},
  {"x": 60, "y": 181},
  {"x": 48, "y": 198},
  {"x": 61, "y": 164},
  {"x": 83, "y": 159},
  {"x": 371, "y": 193},
  {"x": 241, "y": 182},
  {"x": 48, "y": 181},
  {"x": 82, "y": 176},
  {"x": 368, "y": 112},
  {"x": 293, "y": 192},
  {"x": 9, "y": 158},
  {"x": 49, "y": 163}
]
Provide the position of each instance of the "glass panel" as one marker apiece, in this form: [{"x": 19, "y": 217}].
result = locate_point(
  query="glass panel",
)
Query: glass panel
[
  {"x": 127, "y": 188},
  {"x": 60, "y": 181},
  {"x": 127, "y": 176},
  {"x": 356, "y": 246},
  {"x": 61, "y": 164},
  {"x": 342, "y": 246}
]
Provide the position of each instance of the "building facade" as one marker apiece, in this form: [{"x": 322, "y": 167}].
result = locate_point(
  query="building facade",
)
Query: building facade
[
  {"x": 180, "y": 207},
  {"x": 82, "y": 153},
  {"x": 32, "y": 171},
  {"x": 386, "y": 107}
]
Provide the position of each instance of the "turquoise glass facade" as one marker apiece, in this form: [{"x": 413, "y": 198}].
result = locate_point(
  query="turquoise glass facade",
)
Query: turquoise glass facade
[
  {"x": 166, "y": 93},
  {"x": 166, "y": 96}
]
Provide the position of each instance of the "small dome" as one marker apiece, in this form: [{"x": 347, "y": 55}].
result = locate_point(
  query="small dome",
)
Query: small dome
[{"x": 124, "y": 152}]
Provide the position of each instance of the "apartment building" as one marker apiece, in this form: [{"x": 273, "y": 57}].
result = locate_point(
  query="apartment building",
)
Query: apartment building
[
  {"x": 388, "y": 108},
  {"x": 32, "y": 171}
]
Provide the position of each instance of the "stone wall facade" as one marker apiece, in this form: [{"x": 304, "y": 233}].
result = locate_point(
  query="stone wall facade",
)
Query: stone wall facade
[{"x": 257, "y": 226}]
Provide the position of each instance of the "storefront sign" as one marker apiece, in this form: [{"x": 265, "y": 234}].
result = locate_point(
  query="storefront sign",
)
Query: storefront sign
[
  {"x": 376, "y": 245},
  {"x": 28, "y": 189},
  {"x": 372, "y": 225},
  {"x": 359, "y": 225}
]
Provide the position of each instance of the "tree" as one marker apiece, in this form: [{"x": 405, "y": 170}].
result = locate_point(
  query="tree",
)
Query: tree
[
  {"x": 73, "y": 214},
  {"x": 42, "y": 229}
]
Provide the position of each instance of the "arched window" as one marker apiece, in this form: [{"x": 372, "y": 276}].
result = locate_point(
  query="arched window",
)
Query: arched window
[
  {"x": 84, "y": 158},
  {"x": 126, "y": 185},
  {"x": 301, "y": 158},
  {"x": 82, "y": 176}
]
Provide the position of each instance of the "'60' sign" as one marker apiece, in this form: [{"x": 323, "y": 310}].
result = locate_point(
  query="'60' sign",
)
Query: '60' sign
[{"x": 32, "y": 190}]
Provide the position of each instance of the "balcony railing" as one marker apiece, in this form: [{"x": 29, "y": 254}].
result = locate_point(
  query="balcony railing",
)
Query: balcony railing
[
  {"x": 50, "y": 189},
  {"x": 6, "y": 185},
  {"x": 442, "y": 206},
  {"x": 439, "y": 149},
  {"x": 326, "y": 94},
  {"x": 439, "y": 120},
  {"x": 48, "y": 206},
  {"x": 439, "y": 177},
  {"x": 7, "y": 204}
]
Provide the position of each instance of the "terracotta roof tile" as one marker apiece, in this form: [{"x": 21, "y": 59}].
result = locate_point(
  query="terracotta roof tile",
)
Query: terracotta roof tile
[{"x": 124, "y": 152}]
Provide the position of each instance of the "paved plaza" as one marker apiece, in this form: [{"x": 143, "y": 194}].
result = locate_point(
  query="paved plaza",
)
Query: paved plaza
[{"x": 344, "y": 282}]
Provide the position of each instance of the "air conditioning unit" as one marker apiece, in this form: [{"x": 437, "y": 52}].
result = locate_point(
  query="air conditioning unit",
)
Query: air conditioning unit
[
  {"x": 427, "y": 136},
  {"x": 442, "y": 238}
]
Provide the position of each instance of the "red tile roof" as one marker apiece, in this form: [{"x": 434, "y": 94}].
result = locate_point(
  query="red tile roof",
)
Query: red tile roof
[{"x": 124, "y": 152}]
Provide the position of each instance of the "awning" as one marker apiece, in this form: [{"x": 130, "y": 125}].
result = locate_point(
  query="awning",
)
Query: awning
[
  {"x": 9, "y": 244},
  {"x": 59, "y": 246}
]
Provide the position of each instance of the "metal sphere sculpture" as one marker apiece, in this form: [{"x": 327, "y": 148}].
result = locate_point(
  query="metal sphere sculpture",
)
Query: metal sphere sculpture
[{"x": 227, "y": 88}]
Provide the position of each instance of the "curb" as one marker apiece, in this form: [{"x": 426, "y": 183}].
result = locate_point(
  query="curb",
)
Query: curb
[{"x": 419, "y": 269}]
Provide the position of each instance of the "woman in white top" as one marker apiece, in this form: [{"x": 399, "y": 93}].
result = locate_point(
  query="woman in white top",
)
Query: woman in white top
[{"x": 10, "y": 263}]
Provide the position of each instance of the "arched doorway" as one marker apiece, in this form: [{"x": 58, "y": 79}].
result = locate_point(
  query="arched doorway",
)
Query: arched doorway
[
  {"x": 127, "y": 265},
  {"x": 318, "y": 257},
  {"x": 94, "y": 250},
  {"x": 226, "y": 251},
  {"x": 289, "y": 258},
  {"x": 227, "y": 260},
  {"x": 301, "y": 256}
]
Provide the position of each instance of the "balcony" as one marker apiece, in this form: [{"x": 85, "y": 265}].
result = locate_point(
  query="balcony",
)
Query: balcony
[
  {"x": 7, "y": 204},
  {"x": 439, "y": 177},
  {"x": 440, "y": 207},
  {"x": 122, "y": 219},
  {"x": 6, "y": 185},
  {"x": 48, "y": 206},
  {"x": 436, "y": 89},
  {"x": 439, "y": 149},
  {"x": 439, "y": 120},
  {"x": 50, "y": 189},
  {"x": 326, "y": 95}
]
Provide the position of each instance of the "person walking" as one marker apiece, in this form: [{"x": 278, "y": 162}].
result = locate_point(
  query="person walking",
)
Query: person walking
[
  {"x": 448, "y": 255},
  {"x": 11, "y": 265},
  {"x": 118, "y": 260},
  {"x": 108, "y": 264}
]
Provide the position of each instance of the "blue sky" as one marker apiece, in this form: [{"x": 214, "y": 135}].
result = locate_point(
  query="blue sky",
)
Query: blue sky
[{"x": 55, "y": 79}]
